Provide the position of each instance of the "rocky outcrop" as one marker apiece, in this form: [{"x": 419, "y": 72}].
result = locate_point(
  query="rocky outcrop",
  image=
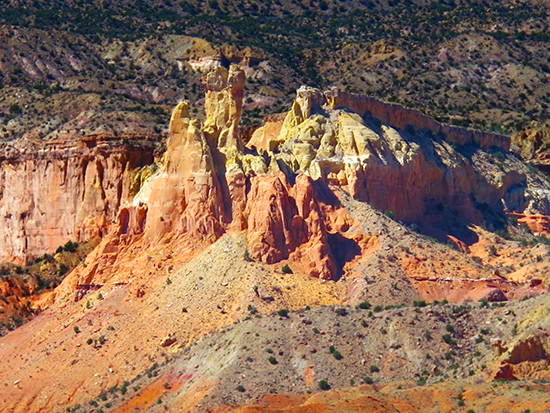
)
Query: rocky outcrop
[
  {"x": 532, "y": 145},
  {"x": 537, "y": 223},
  {"x": 201, "y": 190},
  {"x": 185, "y": 197},
  {"x": 392, "y": 157},
  {"x": 405, "y": 118},
  {"x": 64, "y": 191}
]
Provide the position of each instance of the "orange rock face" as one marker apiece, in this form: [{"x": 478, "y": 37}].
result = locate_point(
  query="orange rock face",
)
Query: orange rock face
[
  {"x": 64, "y": 191},
  {"x": 537, "y": 223}
]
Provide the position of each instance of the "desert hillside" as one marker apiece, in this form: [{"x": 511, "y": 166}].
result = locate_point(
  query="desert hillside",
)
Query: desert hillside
[{"x": 279, "y": 206}]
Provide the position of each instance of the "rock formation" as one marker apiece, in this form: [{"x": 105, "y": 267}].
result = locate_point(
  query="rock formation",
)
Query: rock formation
[
  {"x": 392, "y": 157},
  {"x": 64, "y": 191}
]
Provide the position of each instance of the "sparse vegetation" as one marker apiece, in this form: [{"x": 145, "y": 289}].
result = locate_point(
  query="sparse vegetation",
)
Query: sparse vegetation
[
  {"x": 283, "y": 312},
  {"x": 323, "y": 385}
]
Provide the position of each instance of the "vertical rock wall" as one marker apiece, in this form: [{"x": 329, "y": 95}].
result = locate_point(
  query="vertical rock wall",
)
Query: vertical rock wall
[{"x": 62, "y": 192}]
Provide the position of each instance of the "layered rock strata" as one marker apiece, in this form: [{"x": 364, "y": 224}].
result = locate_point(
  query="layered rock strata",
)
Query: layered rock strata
[
  {"x": 276, "y": 188},
  {"x": 64, "y": 191}
]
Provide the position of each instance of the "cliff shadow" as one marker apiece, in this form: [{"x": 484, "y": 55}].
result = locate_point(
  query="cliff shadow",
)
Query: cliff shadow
[
  {"x": 324, "y": 194},
  {"x": 344, "y": 250}
]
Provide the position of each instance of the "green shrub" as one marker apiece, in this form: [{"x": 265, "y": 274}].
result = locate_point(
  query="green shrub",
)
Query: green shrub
[
  {"x": 283, "y": 312},
  {"x": 272, "y": 360},
  {"x": 365, "y": 305},
  {"x": 323, "y": 385},
  {"x": 374, "y": 369},
  {"x": 286, "y": 269},
  {"x": 342, "y": 312},
  {"x": 367, "y": 380},
  {"x": 62, "y": 270},
  {"x": 448, "y": 339},
  {"x": 389, "y": 214},
  {"x": 70, "y": 246},
  {"x": 240, "y": 389}
]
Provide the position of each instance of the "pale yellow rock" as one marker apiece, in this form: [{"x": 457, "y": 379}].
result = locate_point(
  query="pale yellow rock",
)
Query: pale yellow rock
[
  {"x": 257, "y": 140},
  {"x": 402, "y": 150},
  {"x": 223, "y": 106},
  {"x": 253, "y": 165},
  {"x": 304, "y": 153}
]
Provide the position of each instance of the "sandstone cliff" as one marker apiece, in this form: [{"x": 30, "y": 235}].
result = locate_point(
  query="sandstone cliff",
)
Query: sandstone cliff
[
  {"x": 63, "y": 191},
  {"x": 281, "y": 188}
]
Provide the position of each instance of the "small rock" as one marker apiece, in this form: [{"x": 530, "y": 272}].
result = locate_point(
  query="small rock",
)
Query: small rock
[{"x": 168, "y": 340}]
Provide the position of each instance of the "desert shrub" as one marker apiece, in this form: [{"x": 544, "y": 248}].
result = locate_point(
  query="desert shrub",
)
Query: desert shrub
[
  {"x": 341, "y": 312},
  {"x": 272, "y": 360},
  {"x": 323, "y": 385},
  {"x": 365, "y": 305},
  {"x": 62, "y": 269},
  {"x": 374, "y": 369},
  {"x": 367, "y": 380},
  {"x": 283, "y": 312},
  {"x": 70, "y": 246},
  {"x": 240, "y": 388},
  {"x": 448, "y": 339},
  {"x": 286, "y": 269}
]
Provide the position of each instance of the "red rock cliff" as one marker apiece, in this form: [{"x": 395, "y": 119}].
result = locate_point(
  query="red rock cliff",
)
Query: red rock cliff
[{"x": 63, "y": 191}]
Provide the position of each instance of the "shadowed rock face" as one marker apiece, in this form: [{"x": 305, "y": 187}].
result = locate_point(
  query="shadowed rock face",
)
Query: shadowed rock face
[{"x": 395, "y": 158}]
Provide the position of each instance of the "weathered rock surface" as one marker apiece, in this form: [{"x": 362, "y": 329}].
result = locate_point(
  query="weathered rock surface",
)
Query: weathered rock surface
[
  {"x": 533, "y": 145},
  {"x": 63, "y": 191},
  {"x": 392, "y": 157},
  {"x": 395, "y": 158}
]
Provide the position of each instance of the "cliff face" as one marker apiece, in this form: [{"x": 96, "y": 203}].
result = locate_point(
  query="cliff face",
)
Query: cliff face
[
  {"x": 395, "y": 158},
  {"x": 63, "y": 191},
  {"x": 283, "y": 189},
  {"x": 398, "y": 159}
]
